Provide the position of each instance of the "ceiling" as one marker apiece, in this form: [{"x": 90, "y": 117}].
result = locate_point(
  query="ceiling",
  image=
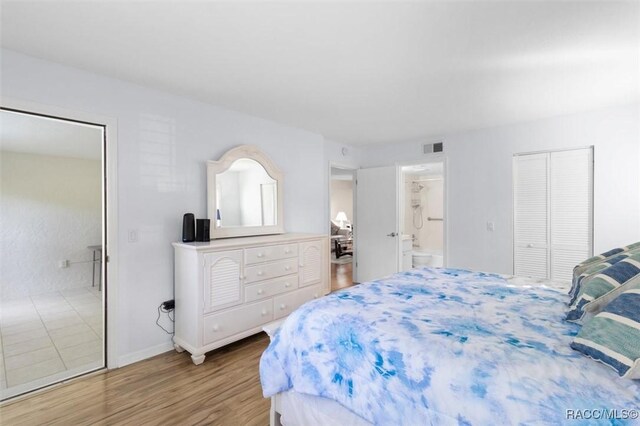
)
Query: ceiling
[
  {"x": 355, "y": 72},
  {"x": 32, "y": 134}
]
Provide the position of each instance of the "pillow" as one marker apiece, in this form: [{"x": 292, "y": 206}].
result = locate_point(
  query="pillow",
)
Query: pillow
[
  {"x": 598, "y": 305},
  {"x": 583, "y": 266},
  {"x": 613, "y": 336},
  {"x": 597, "y": 267},
  {"x": 597, "y": 285},
  {"x": 334, "y": 228}
]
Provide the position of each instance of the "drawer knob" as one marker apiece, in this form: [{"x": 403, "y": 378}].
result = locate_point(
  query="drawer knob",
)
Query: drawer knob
[
  {"x": 260, "y": 291},
  {"x": 315, "y": 295},
  {"x": 287, "y": 285},
  {"x": 215, "y": 327},
  {"x": 287, "y": 268},
  {"x": 264, "y": 312},
  {"x": 283, "y": 307},
  {"x": 260, "y": 273},
  {"x": 287, "y": 251},
  {"x": 260, "y": 254},
  {"x": 301, "y": 265}
]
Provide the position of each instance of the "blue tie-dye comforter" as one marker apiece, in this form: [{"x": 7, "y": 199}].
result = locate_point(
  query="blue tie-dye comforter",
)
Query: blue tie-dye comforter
[{"x": 443, "y": 346}]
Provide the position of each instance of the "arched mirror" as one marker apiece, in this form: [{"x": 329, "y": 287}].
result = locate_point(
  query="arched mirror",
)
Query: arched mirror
[{"x": 244, "y": 194}]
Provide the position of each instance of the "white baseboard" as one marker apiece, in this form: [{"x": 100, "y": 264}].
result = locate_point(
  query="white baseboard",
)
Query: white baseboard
[{"x": 144, "y": 354}]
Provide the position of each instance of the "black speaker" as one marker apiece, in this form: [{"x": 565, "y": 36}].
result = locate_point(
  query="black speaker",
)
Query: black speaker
[
  {"x": 188, "y": 228},
  {"x": 202, "y": 230}
]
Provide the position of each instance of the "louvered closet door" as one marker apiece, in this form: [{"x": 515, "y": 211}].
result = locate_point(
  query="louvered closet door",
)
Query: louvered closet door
[
  {"x": 531, "y": 213},
  {"x": 222, "y": 280},
  {"x": 571, "y": 206}
]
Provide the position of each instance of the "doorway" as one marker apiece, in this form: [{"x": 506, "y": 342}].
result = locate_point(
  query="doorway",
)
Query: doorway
[
  {"x": 342, "y": 225},
  {"x": 421, "y": 201},
  {"x": 53, "y": 240},
  {"x": 402, "y": 218}
]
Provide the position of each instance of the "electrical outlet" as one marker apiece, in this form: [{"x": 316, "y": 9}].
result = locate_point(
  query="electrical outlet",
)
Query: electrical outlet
[
  {"x": 168, "y": 305},
  {"x": 63, "y": 264},
  {"x": 491, "y": 226}
]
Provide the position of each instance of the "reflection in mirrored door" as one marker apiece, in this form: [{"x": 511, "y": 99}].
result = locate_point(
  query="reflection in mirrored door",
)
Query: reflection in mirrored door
[{"x": 52, "y": 243}]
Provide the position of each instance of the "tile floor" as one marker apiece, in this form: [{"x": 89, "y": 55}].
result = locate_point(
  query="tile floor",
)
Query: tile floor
[{"x": 42, "y": 337}]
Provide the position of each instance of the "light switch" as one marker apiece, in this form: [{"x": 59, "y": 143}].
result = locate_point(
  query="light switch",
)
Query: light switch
[
  {"x": 491, "y": 226},
  {"x": 133, "y": 236}
]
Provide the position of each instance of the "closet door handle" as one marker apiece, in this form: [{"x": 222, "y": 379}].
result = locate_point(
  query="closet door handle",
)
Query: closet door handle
[{"x": 393, "y": 234}]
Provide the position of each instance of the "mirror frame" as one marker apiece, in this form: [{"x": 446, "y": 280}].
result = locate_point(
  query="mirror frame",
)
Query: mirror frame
[{"x": 222, "y": 165}]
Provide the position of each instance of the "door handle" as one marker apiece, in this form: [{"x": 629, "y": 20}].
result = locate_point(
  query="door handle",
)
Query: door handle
[{"x": 393, "y": 234}]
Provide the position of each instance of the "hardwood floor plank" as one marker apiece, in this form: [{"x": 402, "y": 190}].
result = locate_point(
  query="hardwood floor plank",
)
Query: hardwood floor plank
[
  {"x": 167, "y": 389},
  {"x": 341, "y": 276},
  {"x": 164, "y": 390}
]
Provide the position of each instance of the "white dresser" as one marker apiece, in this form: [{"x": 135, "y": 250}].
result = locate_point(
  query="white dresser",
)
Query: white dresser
[{"x": 228, "y": 289}]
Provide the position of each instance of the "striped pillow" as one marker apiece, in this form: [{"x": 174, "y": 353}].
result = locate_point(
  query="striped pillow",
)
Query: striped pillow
[
  {"x": 596, "y": 267},
  {"x": 599, "y": 284},
  {"x": 613, "y": 336},
  {"x": 595, "y": 307},
  {"x": 583, "y": 266}
]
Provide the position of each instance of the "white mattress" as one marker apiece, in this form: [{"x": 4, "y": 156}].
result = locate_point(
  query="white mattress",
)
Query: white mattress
[{"x": 297, "y": 409}]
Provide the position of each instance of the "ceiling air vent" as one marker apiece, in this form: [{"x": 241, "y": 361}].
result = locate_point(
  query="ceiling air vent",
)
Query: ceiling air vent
[{"x": 430, "y": 148}]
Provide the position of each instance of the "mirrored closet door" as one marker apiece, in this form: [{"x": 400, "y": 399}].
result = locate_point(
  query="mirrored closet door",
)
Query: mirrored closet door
[{"x": 52, "y": 230}]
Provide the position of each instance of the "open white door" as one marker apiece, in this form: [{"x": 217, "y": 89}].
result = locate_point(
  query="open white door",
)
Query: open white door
[{"x": 377, "y": 223}]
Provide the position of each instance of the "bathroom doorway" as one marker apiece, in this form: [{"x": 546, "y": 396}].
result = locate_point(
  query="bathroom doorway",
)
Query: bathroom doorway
[{"x": 422, "y": 215}]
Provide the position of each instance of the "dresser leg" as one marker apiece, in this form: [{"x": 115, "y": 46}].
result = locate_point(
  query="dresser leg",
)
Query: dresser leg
[
  {"x": 197, "y": 359},
  {"x": 178, "y": 348}
]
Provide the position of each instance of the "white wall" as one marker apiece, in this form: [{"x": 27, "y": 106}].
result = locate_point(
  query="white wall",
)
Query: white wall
[
  {"x": 51, "y": 211},
  {"x": 479, "y": 185},
  {"x": 163, "y": 143}
]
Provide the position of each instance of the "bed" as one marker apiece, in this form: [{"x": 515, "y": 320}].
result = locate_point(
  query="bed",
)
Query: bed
[{"x": 437, "y": 346}]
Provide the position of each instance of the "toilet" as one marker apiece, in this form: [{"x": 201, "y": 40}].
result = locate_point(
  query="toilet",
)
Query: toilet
[{"x": 423, "y": 258}]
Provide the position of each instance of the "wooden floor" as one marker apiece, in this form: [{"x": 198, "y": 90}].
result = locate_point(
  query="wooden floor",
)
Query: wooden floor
[
  {"x": 164, "y": 390},
  {"x": 167, "y": 389},
  {"x": 341, "y": 276}
]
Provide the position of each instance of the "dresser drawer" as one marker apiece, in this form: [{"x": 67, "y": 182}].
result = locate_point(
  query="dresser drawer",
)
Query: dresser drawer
[
  {"x": 269, "y": 253},
  {"x": 287, "y": 303},
  {"x": 270, "y": 288},
  {"x": 236, "y": 320},
  {"x": 270, "y": 270}
]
